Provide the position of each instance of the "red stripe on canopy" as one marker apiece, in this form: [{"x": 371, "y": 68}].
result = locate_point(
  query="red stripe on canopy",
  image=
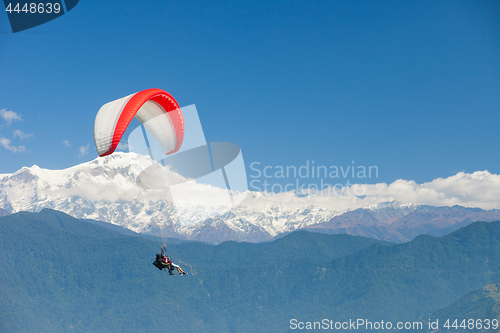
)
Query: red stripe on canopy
[{"x": 161, "y": 97}]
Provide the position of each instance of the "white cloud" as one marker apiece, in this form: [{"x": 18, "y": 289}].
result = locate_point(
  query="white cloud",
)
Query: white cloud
[
  {"x": 84, "y": 150},
  {"x": 66, "y": 143},
  {"x": 10, "y": 116},
  {"x": 5, "y": 143},
  {"x": 22, "y": 135},
  {"x": 479, "y": 189}
]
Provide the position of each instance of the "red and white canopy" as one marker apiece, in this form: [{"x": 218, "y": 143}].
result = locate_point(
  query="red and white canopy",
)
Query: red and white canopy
[{"x": 155, "y": 108}]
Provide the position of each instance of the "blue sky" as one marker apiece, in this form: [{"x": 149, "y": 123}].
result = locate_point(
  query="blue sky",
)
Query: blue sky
[{"x": 412, "y": 87}]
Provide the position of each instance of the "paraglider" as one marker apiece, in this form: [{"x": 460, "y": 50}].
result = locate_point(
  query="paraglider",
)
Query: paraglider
[
  {"x": 161, "y": 263},
  {"x": 164, "y": 262},
  {"x": 160, "y": 114}
]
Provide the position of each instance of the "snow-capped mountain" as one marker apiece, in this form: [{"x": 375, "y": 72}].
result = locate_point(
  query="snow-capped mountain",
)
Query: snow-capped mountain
[{"x": 105, "y": 189}]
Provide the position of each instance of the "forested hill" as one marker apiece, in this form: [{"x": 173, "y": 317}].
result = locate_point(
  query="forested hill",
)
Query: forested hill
[{"x": 60, "y": 274}]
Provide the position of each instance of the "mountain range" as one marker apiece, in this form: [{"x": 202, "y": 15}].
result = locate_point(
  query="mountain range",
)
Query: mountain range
[
  {"x": 61, "y": 274},
  {"x": 397, "y": 223},
  {"x": 105, "y": 189}
]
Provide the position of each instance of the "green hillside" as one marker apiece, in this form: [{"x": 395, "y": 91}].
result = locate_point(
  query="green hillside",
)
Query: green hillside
[{"x": 59, "y": 274}]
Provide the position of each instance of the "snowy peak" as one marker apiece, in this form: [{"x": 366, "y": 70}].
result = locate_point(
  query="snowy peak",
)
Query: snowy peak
[
  {"x": 394, "y": 205},
  {"x": 105, "y": 189}
]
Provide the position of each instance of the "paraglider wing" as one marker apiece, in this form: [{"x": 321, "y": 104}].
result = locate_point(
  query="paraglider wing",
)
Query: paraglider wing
[{"x": 155, "y": 108}]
